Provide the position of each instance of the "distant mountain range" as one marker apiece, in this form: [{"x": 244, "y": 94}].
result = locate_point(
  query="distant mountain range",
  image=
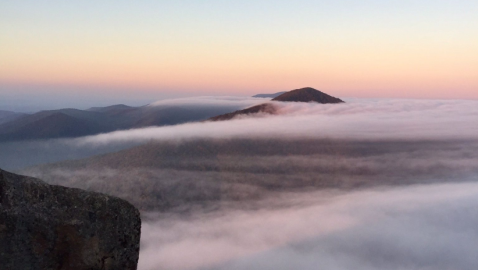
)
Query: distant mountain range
[
  {"x": 67, "y": 123},
  {"x": 7, "y": 116},
  {"x": 306, "y": 94}
]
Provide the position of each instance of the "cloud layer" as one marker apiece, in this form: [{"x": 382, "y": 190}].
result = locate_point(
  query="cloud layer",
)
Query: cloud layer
[
  {"x": 167, "y": 176},
  {"x": 256, "y": 192},
  {"x": 417, "y": 227},
  {"x": 356, "y": 119},
  {"x": 214, "y": 101},
  {"x": 360, "y": 119}
]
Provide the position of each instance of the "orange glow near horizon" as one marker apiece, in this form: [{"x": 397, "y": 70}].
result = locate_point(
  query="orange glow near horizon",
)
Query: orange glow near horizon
[
  {"x": 425, "y": 58},
  {"x": 369, "y": 75}
]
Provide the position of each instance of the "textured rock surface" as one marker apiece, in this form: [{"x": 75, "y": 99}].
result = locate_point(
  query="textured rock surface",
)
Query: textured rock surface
[{"x": 53, "y": 227}]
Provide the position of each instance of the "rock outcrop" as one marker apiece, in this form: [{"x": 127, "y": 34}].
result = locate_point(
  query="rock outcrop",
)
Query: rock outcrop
[{"x": 52, "y": 227}]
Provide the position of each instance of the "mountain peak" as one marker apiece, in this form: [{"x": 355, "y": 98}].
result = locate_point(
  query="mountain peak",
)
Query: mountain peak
[{"x": 307, "y": 94}]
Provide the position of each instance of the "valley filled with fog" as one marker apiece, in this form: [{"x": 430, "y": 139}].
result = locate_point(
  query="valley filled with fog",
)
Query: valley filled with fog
[
  {"x": 239, "y": 135},
  {"x": 367, "y": 184}
]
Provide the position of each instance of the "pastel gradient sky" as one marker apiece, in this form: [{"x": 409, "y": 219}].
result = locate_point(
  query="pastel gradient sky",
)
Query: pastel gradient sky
[{"x": 155, "y": 49}]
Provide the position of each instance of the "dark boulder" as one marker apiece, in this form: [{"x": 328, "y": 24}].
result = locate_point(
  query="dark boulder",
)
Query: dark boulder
[{"x": 52, "y": 227}]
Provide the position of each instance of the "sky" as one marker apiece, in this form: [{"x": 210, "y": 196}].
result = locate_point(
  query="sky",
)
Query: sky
[{"x": 79, "y": 52}]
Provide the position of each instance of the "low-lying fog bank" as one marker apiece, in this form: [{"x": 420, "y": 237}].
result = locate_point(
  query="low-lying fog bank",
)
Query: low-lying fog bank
[
  {"x": 202, "y": 173},
  {"x": 414, "y": 227},
  {"x": 358, "y": 119},
  {"x": 364, "y": 119},
  {"x": 15, "y": 156},
  {"x": 369, "y": 184}
]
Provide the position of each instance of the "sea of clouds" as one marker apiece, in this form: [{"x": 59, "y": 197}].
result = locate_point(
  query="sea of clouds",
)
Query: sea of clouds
[
  {"x": 374, "y": 119},
  {"x": 414, "y": 227},
  {"x": 359, "y": 119},
  {"x": 424, "y": 227}
]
